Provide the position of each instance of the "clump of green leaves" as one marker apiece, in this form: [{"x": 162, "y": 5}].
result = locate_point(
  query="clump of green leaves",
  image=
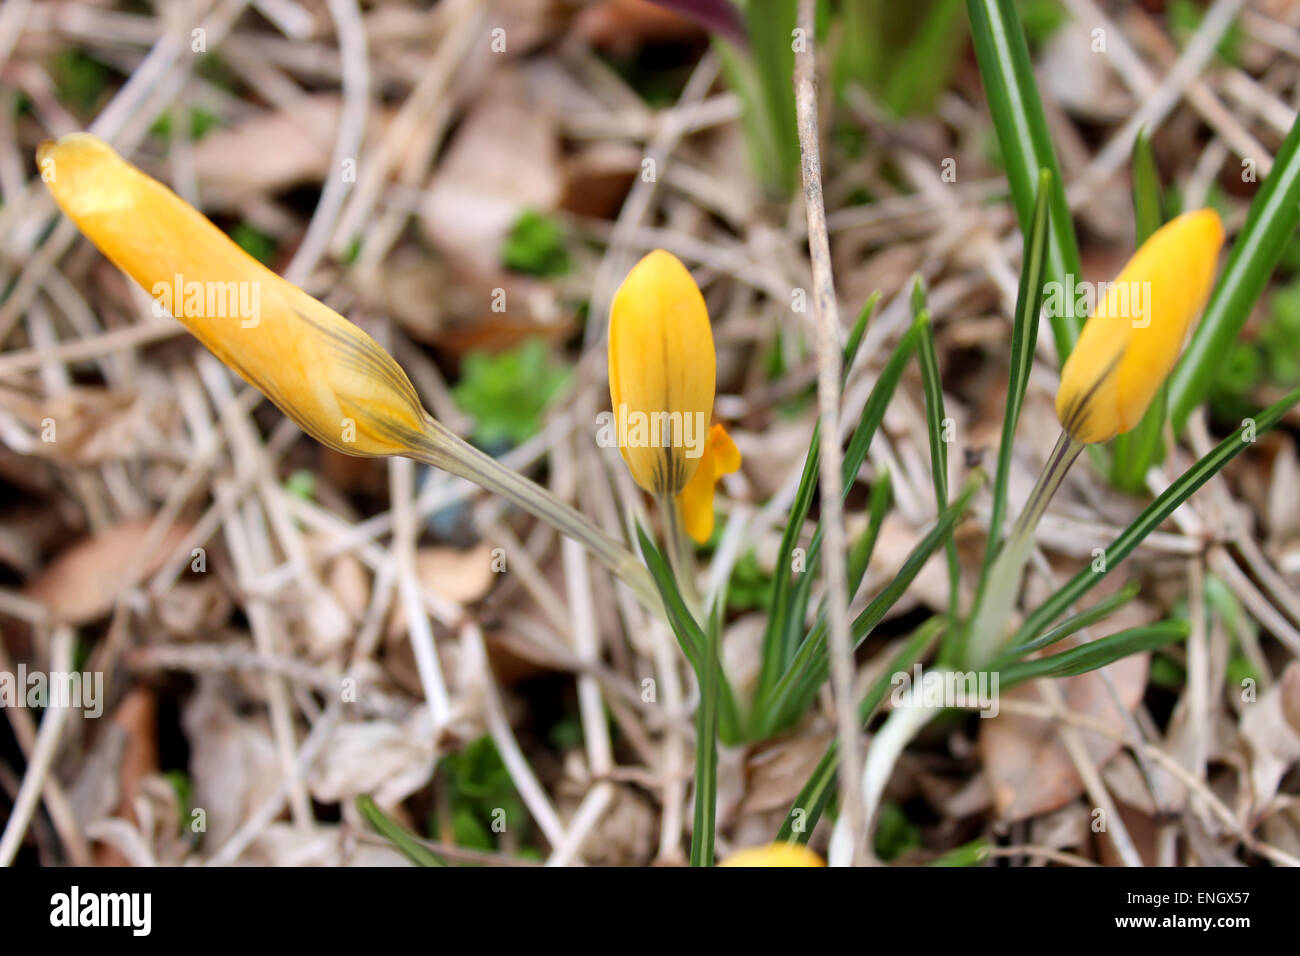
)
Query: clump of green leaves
[
  {"x": 1272, "y": 357},
  {"x": 895, "y": 833},
  {"x": 507, "y": 393},
  {"x": 536, "y": 247},
  {"x": 750, "y": 586},
  {"x": 481, "y": 796}
]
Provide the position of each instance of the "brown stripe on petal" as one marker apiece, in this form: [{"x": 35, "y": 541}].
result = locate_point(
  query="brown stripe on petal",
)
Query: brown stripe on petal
[
  {"x": 1081, "y": 405},
  {"x": 365, "y": 356}
]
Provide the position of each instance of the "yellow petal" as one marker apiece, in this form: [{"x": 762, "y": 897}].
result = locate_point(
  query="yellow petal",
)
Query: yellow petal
[
  {"x": 721, "y": 457},
  {"x": 1130, "y": 344},
  {"x": 662, "y": 372},
  {"x": 726, "y": 456},
  {"x": 322, "y": 371},
  {"x": 775, "y": 854},
  {"x": 696, "y": 501}
]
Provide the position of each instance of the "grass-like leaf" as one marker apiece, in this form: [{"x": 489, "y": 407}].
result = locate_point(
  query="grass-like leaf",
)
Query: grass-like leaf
[
  {"x": 1024, "y": 337},
  {"x": 974, "y": 853},
  {"x": 1270, "y": 224},
  {"x": 692, "y": 639},
  {"x": 717, "y": 710},
  {"x": 760, "y": 78},
  {"x": 783, "y": 609},
  {"x": 935, "y": 417},
  {"x": 402, "y": 839},
  {"x": 882, "y": 498},
  {"x": 1096, "y": 654},
  {"x": 1148, "y": 215},
  {"x": 1154, "y": 515},
  {"x": 1025, "y": 141},
  {"x": 925, "y": 63},
  {"x": 816, "y": 793},
  {"x": 809, "y": 668},
  {"x": 1071, "y": 625},
  {"x": 789, "y": 603},
  {"x": 706, "y": 748}
]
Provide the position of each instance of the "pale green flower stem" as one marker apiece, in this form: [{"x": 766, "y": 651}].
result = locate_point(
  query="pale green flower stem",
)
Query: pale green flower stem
[
  {"x": 446, "y": 450},
  {"x": 996, "y": 598},
  {"x": 681, "y": 555},
  {"x": 998, "y": 594}
]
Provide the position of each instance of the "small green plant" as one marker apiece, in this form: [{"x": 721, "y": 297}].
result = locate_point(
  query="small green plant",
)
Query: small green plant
[
  {"x": 536, "y": 247},
  {"x": 481, "y": 797},
  {"x": 507, "y": 393}
]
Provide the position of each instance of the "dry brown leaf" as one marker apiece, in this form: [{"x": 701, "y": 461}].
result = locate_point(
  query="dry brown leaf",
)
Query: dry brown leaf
[
  {"x": 1065, "y": 828},
  {"x": 233, "y": 761},
  {"x": 505, "y": 159},
  {"x": 778, "y": 771},
  {"x": 460, "y": 576},
  {"x": 379, "y": 757},
  {"x": 83, "y": 582},
  {"x": 194, "y": 609},
  {"x": 597, "y": 178},
  {"x": 323, "y": 844},
  {"x": 896, "y": 541},
  {"x": 1271, "y": 730},
  {"x": 621, "y": 27},
  {"x": 1029, "y": 770},
  {"x": 349, "y": 581},
  {"x": 83, "y": 426},
  {"x": 1283, "y": 512},
  {"x": 742, "y": 653},
  {"x": 626, "y": 834},
  {"x": 292, "y": 148},
  {"x": 137, "y": 717}
]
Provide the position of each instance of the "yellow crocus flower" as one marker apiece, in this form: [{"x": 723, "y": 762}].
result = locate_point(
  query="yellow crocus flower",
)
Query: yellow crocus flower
[
  {"x": 721, "y": 457},
  {"x": 1130, "y": 344},
  {"x": 774, "y": 854},
  {"x": 662, "y": 373},
  {"x": 322, "y": 371}
]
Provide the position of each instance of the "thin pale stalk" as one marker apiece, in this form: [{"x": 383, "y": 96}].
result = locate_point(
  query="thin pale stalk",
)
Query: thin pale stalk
[
  {"x": 706, "y": 753},
  {"x": 999, "y": 596},
  {"x": 680, "y": 555},
  {"x": 828, "y": 400},
  {"x": 444, "y": 449}
]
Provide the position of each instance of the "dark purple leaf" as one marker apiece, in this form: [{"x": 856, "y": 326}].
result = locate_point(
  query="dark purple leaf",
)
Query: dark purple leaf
[{"x": 717, "y": 16}]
